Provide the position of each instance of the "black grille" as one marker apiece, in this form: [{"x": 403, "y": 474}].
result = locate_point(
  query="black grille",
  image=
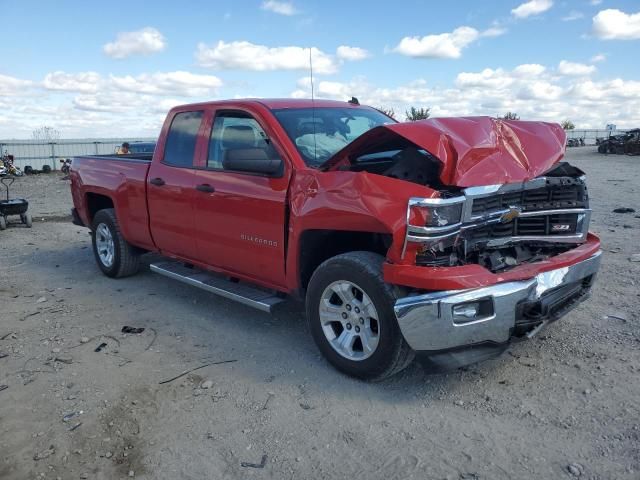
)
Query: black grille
[
  {"x": 544, "y": 225},
  {"x": 558, "y": 193}
]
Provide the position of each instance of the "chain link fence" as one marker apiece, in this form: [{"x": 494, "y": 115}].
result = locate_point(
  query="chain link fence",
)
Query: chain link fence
[
  {"x": 590, "y": 135},
  {"x": 38, "y": 153}
]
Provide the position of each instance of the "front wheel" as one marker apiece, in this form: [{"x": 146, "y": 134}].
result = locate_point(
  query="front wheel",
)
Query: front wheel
[
  {"x": 351, "y": 317},
  {"x": 114, "y": 255}
]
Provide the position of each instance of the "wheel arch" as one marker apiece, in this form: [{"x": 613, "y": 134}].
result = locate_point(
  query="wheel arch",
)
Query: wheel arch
[
  {"x": 316, "y": 246},
  {"x": 96, "y": 202}
]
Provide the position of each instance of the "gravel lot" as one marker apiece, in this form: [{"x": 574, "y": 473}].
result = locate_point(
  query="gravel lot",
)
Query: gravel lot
[{"x": 563, "y": 405}]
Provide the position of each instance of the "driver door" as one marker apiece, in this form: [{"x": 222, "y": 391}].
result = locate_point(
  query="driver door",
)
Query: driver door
[{"x": 240, "y": 216}]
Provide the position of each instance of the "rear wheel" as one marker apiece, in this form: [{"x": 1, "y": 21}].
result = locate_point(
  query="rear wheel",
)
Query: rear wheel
[
  {"x": 3, "y": 222},
  {"x": 114, "y": 255},
  {"x": 351, "y": 317}
]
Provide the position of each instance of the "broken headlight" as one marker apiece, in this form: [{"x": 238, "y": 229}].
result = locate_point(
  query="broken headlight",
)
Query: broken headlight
[
  {"x": 437, "y": 213},
  {"x": 430, "y": 220}
]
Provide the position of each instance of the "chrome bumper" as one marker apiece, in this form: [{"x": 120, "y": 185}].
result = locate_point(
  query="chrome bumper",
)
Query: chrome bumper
[{"x": 429, "y": 323}]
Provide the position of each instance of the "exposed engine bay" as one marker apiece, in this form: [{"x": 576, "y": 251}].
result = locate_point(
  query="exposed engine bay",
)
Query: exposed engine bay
[
  {"x": 513, "y": 225},
  {"x": 409, "y": 164}
]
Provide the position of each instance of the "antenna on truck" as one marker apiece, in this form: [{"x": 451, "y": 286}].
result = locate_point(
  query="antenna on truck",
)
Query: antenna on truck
[{"x": 313, "y": 107}]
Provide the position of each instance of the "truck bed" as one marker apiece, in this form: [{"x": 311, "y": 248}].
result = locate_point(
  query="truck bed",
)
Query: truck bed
[
  {"x": 137, "y": 157},
  {"x": 122, "y": 179}
]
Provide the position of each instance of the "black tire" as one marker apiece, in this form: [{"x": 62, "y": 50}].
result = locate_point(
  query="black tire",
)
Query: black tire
[
  {"x": 364, "y": 269},
  {"x": 126, "y": 258},
  {"x": 3, "y": 223},
  {"x": 46, "y": 169},
  {"x": 26, "y": 219}
]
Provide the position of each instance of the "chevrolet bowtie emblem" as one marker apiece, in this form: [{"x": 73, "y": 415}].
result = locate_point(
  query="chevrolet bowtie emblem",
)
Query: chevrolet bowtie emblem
[{"x": 510, "y": 215}]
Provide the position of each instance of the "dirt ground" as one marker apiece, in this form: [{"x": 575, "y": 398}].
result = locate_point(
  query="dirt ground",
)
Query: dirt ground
[{"x": 562, "y": 405}]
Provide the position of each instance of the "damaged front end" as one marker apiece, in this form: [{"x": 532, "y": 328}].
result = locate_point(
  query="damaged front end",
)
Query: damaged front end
[
  {"x": 500, "y": 226},
  {"x": 497, "y": 195}
]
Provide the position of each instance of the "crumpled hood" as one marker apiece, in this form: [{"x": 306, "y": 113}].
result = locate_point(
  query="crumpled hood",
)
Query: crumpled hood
[{"x": 473, "y": 150}]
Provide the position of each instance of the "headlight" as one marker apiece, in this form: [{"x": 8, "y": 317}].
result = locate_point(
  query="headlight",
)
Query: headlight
[{"x": 435, "y": 213}]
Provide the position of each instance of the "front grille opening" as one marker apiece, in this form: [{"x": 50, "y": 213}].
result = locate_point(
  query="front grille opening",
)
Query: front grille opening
[
  {"x": 571, "y": 194},
  {"x": 526, "y": 239}
]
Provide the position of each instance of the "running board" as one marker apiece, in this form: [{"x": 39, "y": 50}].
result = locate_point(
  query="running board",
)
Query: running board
[{"x": 242, "y": 293}]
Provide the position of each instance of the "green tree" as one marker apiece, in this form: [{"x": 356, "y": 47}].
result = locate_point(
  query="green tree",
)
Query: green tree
[
  {"x": 417, "y": 114},
  {"x": 389, "y": 112},
  {"x": 511, "y": 116},
  {"x": 568, "y": 125}
]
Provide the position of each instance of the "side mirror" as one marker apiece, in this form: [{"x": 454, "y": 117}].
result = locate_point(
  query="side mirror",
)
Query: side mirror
[{"x": 251, "y": 160}]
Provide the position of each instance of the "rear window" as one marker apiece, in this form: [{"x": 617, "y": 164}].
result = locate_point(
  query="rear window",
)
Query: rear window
[{"x": 181, "y": 140}]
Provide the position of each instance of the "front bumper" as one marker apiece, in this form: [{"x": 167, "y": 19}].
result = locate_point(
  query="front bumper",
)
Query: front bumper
[{"x": 438, "y": 322}]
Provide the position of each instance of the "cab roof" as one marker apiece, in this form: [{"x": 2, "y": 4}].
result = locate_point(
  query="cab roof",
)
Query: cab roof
[{"x": 283, "y": 103}]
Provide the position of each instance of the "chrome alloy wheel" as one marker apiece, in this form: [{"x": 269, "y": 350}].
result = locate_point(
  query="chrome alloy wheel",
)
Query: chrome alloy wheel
[
  {"x": 105, "y": 245},
  {"x": 349, "y": 320}
]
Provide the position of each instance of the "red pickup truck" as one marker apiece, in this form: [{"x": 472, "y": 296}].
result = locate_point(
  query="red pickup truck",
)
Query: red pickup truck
[{"x": 445, "y": 238}]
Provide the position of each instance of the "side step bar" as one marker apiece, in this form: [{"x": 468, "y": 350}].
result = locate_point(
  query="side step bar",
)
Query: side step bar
[{"x": 251, "y": 296}]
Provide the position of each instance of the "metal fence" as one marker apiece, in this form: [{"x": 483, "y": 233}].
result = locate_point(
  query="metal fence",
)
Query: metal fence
[
  {"x": 590, "y": 135},
  {"x": 38, "y": 153}
]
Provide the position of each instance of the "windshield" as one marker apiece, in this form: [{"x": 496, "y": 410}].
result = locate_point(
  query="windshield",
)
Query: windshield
[{"x": 319, "y": 133}]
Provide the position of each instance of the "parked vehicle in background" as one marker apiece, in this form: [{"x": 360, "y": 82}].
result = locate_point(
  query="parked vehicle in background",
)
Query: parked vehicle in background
[
  {"x": 141, "y": 147},
  {"x": 617, "y": 143},
  {"x": 446, "y": 238},
  {"x": 632, "y": 145},
  {"x": 65, "y": 165},
  {"x": 7, "y": 166}
]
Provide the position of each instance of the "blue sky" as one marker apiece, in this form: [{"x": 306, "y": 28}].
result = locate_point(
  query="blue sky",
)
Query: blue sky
[{"x": 459, "y": 58}]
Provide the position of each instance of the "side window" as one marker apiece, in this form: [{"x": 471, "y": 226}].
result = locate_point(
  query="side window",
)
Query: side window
[
  {"x": 180, "y": 146},
  {"x": 238, "y": 133}
]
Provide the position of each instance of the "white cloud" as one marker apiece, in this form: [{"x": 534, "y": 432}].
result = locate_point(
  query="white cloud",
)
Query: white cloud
[
  {"x": 136, "y": 104},
  {"x": 613, "y": 24},
  {"x": 600, "y": 57},
  {"x": 87, "y": 82},
  {"x": 533, "y": 7},
  {"x": 243, "y": 55},
  {"x": 573, "y": 15},
  {"x": 540, "y": 96},
  {"x": 443, "y": 45},
  {"x": 487, "y": 78},
  {"x": 495, "y": 31},
  {"x": 281, "y": 8},
  {"x": 595, "y": 2},
  {"x": 575, "y": 69},
  {"x": 540, "y": 90},
  {"x": 345, "y": 52},
  {"x": 141, "y": 42},
  {"x": 529, "y": 70},
  {"x": 13, "y": 86},
  {"x": 88, "y": 104},
  {"x": 179, "y": 83}
]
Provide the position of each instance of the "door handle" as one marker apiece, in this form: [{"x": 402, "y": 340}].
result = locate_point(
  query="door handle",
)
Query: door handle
[
  {"x": 157, "y": 182},
  {"x": 205, "y": 187}
]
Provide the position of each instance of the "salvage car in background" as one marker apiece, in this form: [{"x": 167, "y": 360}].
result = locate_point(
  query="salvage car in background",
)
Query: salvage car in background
[
  {"x": 618, "y": 143},
  {"x": 142, "y": 147},
  {"x": 632, "y": 145}
]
